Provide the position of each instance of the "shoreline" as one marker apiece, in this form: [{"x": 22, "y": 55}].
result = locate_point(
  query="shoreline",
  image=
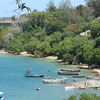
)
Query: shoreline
[
  {"x": 3, "y": 51},
  {"x": 24, "y": 53}
]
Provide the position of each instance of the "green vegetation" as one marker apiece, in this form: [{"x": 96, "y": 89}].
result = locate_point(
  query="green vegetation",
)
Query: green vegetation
[
  {"x": 85, "y": 97},
  {"x": 56, "y": 32}
]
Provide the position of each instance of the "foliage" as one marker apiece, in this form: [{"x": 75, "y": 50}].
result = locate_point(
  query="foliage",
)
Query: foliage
[
  {"x": 89, "y": 97},
  {"x": 22, "y": 6},
  {"x": 97, "y": 40},
  {"x": 95, "y": 5},
  {"x": 15, "y": 45},
  {"x": 51, "y": 6},
  {"x": 56, "y": 31},
  {"x": 85, "y": 97},
  {"x": 95, "y": 28},
  {"x": 72, "y": 97},
  {"x": 85, "y": 12},
  {"x": 96, "y": 57}
]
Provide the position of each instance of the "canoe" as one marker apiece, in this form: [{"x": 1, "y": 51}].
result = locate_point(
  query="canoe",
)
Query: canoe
[
  {"x": 34, "y": 75},
  {"x": 78, "y": 76},
  {"x": 54, "y": 80},
  {"x": 70, "y": 70},
  {"x": 67, "y": 73}
]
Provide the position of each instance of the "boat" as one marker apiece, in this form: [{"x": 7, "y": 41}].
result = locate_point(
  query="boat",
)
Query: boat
[
  {"x": 70, "y": 70},
  {"x": 1, "y": 95},
  {"x": 54, "y": 80},
  {"x": 83, "y": 67},
  {"x": 93, "y": 77},
  {"x": 69, "y": 87},
  {"x": 29, "y": 74},
  {"x": 34, "y": 75},
  {"x": 78, "y": 76},
  {"x": 67, "y": 73}
]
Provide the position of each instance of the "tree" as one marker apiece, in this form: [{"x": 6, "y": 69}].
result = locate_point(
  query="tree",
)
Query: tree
[
  {"x": 77, "y": 51},
  {"x": 95, "y": 5},
  {"x": 13, "y": 18},
  {"x": 67, "y": 13},
  {"x": 88, "y": 52},
  {"x": 85, "y": 12},
  {"x": 95, "y": 28},
  {"x": 72, "y": 97},
  {"x": 51, "y": 6},
  {"x": 89, "y": 97},
  {"x": 96, "y": 57},
  {"x": 15, "y": 45},
  {"x": 36, "y": 21},
  {"x": 97, "y": 40},
  {"x": 22, "y": 6},
  {"x": 85, "y": 97}
]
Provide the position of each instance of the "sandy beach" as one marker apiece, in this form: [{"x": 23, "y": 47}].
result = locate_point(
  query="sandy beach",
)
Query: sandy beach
[
  {"x": 52, "y": 57},
  {"x": 25, "y": 54},
  {"x": 97, "y": 70},
  {"x": 2, "y": 51}
]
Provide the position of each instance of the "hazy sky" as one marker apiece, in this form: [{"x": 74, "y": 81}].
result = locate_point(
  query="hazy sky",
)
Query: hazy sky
[{"x": 7, "y": 6}]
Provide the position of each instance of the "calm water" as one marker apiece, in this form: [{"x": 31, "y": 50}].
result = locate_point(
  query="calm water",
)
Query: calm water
[{"x": 16, "y": 87}]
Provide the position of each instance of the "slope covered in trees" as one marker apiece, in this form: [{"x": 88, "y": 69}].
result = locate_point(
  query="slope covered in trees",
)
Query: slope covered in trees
[{"x": 56, "y": 31}]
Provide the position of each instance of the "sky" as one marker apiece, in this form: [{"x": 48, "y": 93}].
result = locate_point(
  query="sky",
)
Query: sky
[{"x": 7, "y": 7}]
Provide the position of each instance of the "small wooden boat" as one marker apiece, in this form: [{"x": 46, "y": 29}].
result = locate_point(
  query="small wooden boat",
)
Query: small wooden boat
[
  {"x": 93, "y": 77},
  {"x": 70, "y": 70},
  {"x": 67, "y": 73},
  {"x": 54, "y": 80},
  {"x": 29, "y": 74},
  {"x": 34, "y": 75},
  {"x": 78, "y": 76}
]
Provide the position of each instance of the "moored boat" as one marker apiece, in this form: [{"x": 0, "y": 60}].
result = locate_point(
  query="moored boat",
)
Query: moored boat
[
  {"x": 78, "y": 76},
  {"x": 93, "y": 77},
  {"x": 67, "y": 73},
  {"x": 29, "y": 74},
  {"x": 2, "y": 95},
  {"x": 70, "y": 70},
  {"x": 54, "y": 80},
  {"x": 69, "y": 87},
  {"x": 34, "y": 75}
]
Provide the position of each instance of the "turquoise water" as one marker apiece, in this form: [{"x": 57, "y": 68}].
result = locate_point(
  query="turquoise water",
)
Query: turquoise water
[{"x": 16, "y": 87}]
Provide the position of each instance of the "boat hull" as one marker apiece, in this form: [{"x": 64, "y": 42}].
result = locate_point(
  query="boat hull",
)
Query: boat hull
[
  {"x": 78, "y": 76},
  {"x": 71, "y": 70},
  {"x": 53, "y": 81},
  {"x": 67, "y": 73},
  {"x": 34, "y": 75}
]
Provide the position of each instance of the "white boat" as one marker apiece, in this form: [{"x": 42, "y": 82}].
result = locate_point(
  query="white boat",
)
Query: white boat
[
  {"x": 69, "y": 87},
  {"x": 2, "y": 95},
  {"x": 54, "y": 80}
]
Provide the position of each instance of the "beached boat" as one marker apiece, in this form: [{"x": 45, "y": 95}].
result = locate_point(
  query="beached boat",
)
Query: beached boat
[
  {"x": 78, "y": 76},
  {"x": 54, "y": 80},
  {"x": 67, "y": 73},
  {"x": 70, "y": 70}
]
